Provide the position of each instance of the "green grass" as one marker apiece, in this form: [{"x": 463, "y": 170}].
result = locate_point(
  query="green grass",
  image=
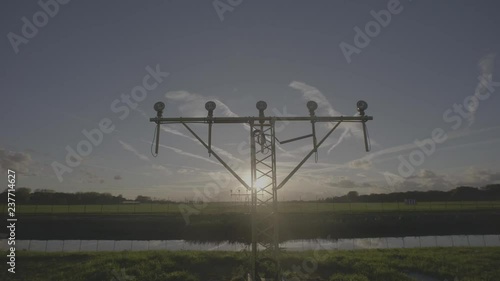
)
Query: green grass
[
  {"x": 284, "y": 207},
  {"x": 464, "y": 264}
]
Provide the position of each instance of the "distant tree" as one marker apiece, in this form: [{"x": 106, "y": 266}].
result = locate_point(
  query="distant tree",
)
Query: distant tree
[
  {"x": 352, "y": 196},
  {"x": 23, "y": 194},
  {"x": 143, "y": 199}
]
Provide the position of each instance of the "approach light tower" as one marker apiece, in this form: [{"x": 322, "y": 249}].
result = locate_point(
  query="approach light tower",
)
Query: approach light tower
[{"x": 265, "y": 234}]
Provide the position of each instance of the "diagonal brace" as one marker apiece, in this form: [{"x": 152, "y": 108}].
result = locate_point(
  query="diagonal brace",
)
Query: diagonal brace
[
  {"x": 217, "y": 157},
  {"x": 307, "y": 156}
]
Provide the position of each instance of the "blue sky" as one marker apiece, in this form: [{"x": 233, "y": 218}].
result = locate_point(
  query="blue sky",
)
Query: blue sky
[{"x": 427, "y": 57}]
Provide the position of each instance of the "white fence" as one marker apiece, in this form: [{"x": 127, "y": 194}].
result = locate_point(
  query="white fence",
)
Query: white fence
[{"x": 292, "y": 245}]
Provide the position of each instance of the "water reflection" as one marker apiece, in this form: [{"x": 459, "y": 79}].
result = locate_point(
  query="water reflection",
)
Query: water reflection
[{"x": 292, "y": 245}]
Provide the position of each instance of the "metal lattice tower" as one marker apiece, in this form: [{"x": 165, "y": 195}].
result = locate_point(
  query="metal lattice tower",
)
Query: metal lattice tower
[
  {"x": 265, "y": 234},
  {"x": 264, "y": 186}
]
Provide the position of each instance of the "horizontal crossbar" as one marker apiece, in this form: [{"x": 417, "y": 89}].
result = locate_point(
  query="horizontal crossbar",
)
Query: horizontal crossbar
[{"x": 254, "y": 119}]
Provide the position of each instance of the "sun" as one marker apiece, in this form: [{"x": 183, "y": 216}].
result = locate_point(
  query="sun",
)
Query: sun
[{"x": 259, "y": 184}]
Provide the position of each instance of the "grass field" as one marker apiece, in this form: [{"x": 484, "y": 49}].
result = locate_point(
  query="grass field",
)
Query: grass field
[
  {"x": 284, "y": 207},
  {"x": 462, "y": 264}
]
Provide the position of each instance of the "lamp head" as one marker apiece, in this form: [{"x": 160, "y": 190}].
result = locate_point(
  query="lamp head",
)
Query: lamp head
[
  {"x": 312, "y": 106},
  {"x": 159, "y": 107},
  {"x": 261, "y": 105},
  {"x": 210, "y": 105},
  {"x": 362, "y": 106}
]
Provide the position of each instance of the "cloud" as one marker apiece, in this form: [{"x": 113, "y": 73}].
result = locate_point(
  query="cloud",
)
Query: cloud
[
  {"x": 88, "y": 176},
  {"x": 117, "y": 177},
  {"x": 162, "y": 168},
  {"x": 20, "y": 162},
  {"x": 194, "y": 104},
  {"x": 217, "y": 150},
  {"x": 426, "y": 174},
  {"x": 345, "y": 182},
  {"x": 409, "y": 146},
  {"x": 422, "y": 181},
  {"x": 364, "y": 164},
  {"x": 181, "y": 152},
  {"x": 312, "y": 93},
  {"x": 128, "y": 147},
  {"x": 480, "y": 177},
  {"x": 486, "y": 65}
]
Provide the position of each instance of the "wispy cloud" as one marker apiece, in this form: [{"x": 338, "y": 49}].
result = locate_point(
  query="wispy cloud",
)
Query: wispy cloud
[
  {"x": 486, "y": 66},
  {"x": 20, "y": 162},
  {"x": 193, "y": 104},
  {"x": 162, "y": 169},
  {"x": 130, "y": 148},
  {"x": 181, "y": 152},
  {"x": 325, "y": 107},
  {"x": 218, "y": 150},
  {"x": 451, "y": 136}
]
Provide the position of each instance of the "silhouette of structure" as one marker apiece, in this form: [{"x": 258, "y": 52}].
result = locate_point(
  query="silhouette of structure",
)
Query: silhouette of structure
[{"x": 264, "y": 208}]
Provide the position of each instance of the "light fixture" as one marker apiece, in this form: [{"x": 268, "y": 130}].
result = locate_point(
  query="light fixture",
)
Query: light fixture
[
  {"x": 261, "y": 105},
  {"x": 159, "y": 106},
  {"x": 210, "y": 105},
  {"x": 312, "y": 106},
  {"x": 361, "y": 105}
]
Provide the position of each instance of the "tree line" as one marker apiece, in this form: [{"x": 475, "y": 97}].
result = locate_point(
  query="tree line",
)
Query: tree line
[
  {"x": 461, "y": 193},
  {"x": 25, "y": 195}
]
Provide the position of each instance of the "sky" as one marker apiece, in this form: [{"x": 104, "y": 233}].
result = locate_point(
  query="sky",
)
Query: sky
[{"x": 79, "y": 80}]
